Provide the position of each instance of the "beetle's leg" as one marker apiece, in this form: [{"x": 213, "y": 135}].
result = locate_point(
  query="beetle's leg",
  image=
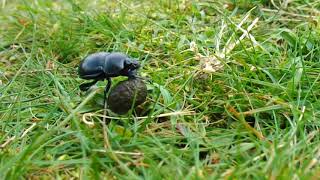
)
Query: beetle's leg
[
  {"x": 86, "y": 86},
  {"x": 132, "y": 74},
  {"x": 106, "y": 90}
]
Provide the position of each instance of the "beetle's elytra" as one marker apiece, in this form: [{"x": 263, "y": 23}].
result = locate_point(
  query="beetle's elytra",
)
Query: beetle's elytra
[{"x": 102, "y": 65}]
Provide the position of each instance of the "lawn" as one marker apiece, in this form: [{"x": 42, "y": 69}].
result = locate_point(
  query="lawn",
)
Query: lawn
[{"x": 233, "y": 94}]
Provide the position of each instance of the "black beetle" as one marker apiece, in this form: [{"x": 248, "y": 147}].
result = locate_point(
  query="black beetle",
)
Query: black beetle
[{"x": 102, "y": 65}]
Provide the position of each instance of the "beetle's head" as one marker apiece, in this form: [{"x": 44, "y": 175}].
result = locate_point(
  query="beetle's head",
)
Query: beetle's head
[
  {"x": 131, "y": 64},
  {"x": 130, "y": 67}
]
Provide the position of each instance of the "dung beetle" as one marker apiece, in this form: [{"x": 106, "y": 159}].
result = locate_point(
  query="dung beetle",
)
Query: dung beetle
[{"x": 103, "y": 65}]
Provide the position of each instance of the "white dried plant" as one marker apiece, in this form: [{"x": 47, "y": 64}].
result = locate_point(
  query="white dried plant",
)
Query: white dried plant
[{"x": 213, "y": 63}]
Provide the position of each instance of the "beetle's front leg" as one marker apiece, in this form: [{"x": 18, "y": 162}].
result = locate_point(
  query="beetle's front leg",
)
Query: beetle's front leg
[
  {"x": 132, "y": 74},
  {"x": 106, "y": 90}
]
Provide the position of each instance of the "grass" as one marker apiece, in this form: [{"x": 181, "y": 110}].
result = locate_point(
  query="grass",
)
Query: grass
[{"x": 255, "y": 117}]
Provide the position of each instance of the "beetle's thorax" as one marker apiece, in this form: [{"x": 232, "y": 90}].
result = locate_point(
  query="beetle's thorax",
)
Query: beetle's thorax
[{"x": 113, "y": 65}]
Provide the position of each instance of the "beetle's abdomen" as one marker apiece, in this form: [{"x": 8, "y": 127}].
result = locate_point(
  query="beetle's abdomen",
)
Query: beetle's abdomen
[{"x": 92, "y": 67}]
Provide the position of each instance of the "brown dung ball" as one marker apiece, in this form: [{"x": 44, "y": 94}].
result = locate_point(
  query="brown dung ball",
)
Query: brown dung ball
[{"x": 123, "y": 95}]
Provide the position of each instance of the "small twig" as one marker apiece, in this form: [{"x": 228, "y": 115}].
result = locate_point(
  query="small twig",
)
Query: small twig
[
  {"x": 9, "y": 140},
  {"x": 27, "y": 130},
  {"x": 107, "y": 145},
  {"x": 129, "y": 153},
  {"x": 36, "y": 71},
  {"x": 108, "y": 148},
  {"x": 105, "y": 133},
  {"x": 177, "y": 113},
  {"x": 121, "y": 152}
]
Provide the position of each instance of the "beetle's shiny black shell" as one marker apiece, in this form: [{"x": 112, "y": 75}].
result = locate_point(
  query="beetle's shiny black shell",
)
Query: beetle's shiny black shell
[
  {"x": 101, "y": 65},
  {"x": 125, "y": 93}
]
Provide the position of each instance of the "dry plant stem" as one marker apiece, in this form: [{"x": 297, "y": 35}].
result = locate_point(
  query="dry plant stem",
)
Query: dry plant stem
[
  {"x": 254, "y": 41},
  {"x": 238, "y": 26},
  {"x": 7, "y": 142},
  {"x": 240, "y": 117},
  {"x": 290, "y": 14},
  {"x": 215, "y": 63},
  {"x": 105, "y": 133},
  {"x": 178, "y": 113},
  {"x": 27, "y": 130},
  {"x": 107, "y": 145},
  {"x": 230, "y": 47},
  {"x": 121, "y": 152},
  {"x": 274, "y": 4}
]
